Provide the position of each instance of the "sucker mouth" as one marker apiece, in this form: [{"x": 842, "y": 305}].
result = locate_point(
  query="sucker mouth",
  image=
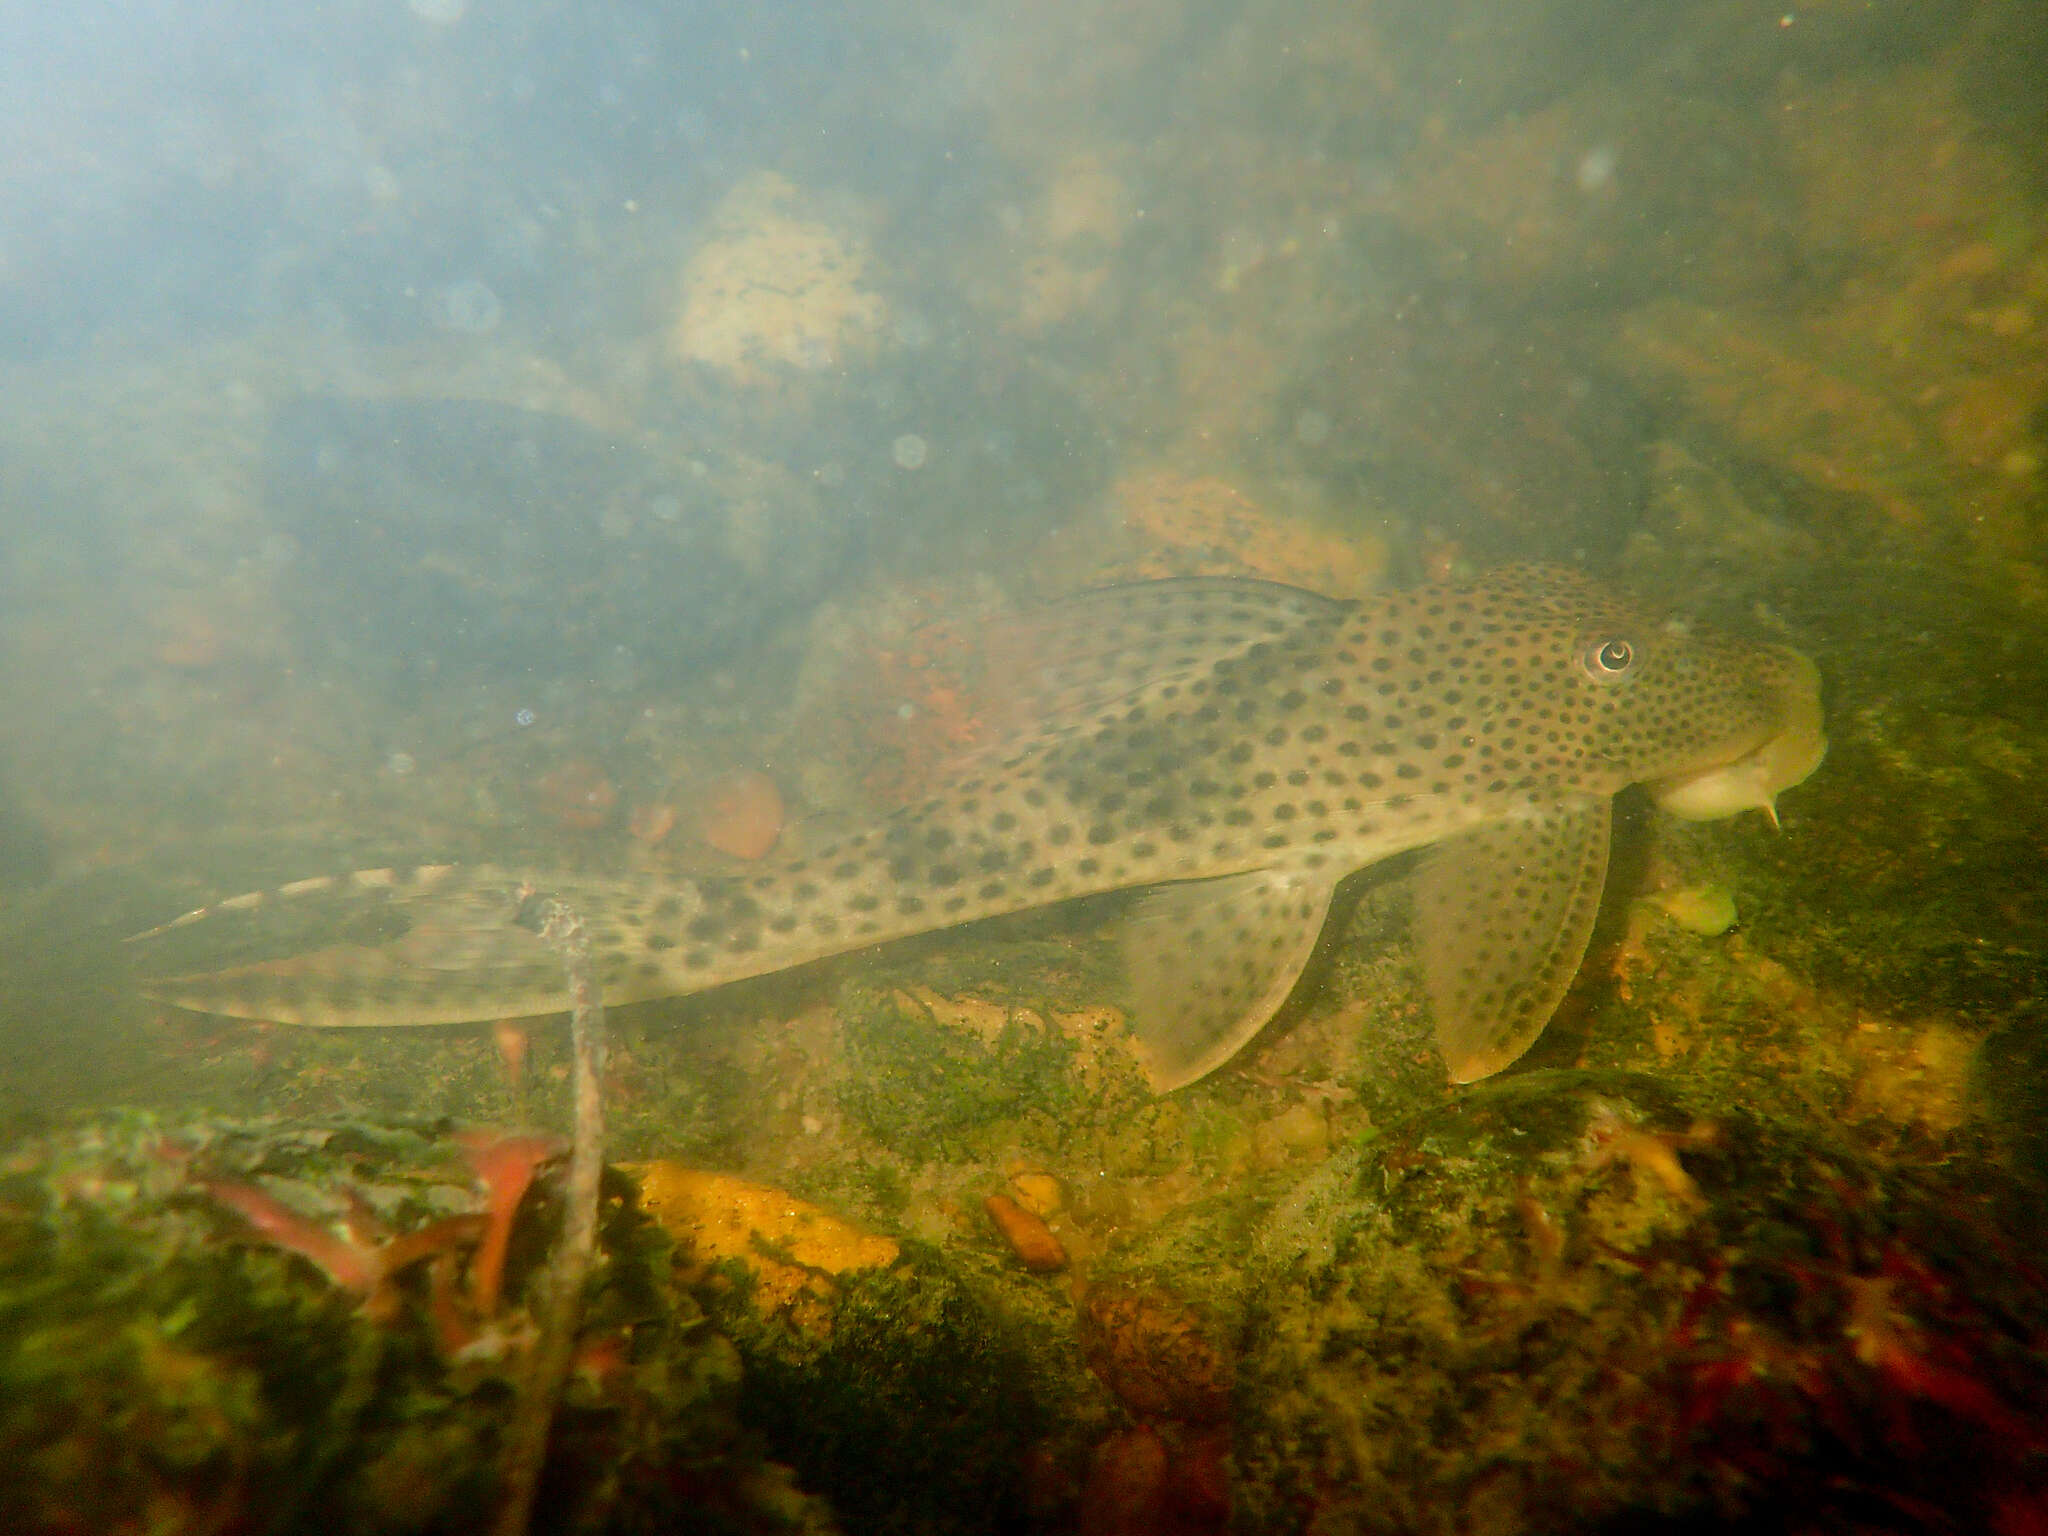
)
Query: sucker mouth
[{"x": 1753, "y": 779}]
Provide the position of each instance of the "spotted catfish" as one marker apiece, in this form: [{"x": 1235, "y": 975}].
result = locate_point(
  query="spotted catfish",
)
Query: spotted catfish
[{"x": 1231, "y": 749}]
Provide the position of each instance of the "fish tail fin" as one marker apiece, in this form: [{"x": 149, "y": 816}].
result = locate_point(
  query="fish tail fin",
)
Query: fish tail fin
[{"x": 424, "y": 944}]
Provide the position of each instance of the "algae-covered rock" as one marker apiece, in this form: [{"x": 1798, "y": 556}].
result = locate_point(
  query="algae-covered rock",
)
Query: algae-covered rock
[
  {"x": 959, "y": 1077},
  {"x": 1569, "y": 1298},
  {"x": 916, "y": 1404},
  {"x": 772, "y": 287},
  {"x": 209, "y": 1325}
]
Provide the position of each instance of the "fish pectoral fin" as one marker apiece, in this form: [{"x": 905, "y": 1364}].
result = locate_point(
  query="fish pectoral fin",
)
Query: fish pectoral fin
[
  {"x": 1502, "y": 915},
  {"x": 1210, "y": 961}
]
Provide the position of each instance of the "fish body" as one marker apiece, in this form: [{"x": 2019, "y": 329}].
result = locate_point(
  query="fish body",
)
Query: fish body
[{"x": 1234, "y": 749}]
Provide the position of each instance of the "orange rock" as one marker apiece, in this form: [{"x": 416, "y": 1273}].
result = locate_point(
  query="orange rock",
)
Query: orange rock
[
  {"x": 650, "y": 823},
  {"x": 743, "y": 814},
  {"x": 1150, "y": 1350},
  {"x": 511, "y": 1038},
  {"x": 1785, "y": 400},
  {"x": 1197, "y": 1487},
  {"x": 1126, "y": 1485},
  {"x": 578, "y": 795},
  {"x": 1029, "y": 1237}
]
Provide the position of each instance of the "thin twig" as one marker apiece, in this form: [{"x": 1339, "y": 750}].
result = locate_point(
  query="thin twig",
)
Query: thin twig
[{"x": 526, "y": 1441}]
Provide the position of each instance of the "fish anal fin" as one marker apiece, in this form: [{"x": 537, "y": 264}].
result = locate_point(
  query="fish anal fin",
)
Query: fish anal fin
[
  {"x": 1209, "y": 962},
  {"x": 1503, "y": 914}
]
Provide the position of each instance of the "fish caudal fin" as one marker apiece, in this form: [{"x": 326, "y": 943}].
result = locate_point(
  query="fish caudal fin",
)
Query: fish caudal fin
[
  {"x": 1211, "y": 961},
  {"x": 1503, "y": 914},
  {"x": 429, "y": 944}
]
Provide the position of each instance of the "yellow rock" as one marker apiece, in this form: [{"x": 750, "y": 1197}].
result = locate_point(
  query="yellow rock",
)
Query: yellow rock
[
  {"x": 975, "y": 1016},
  {"x": 1038, "y": 1192},
  {"x": 1099, "y": 1032},
  {"x": 772, "y": 289},
  {"x": 792, "y": 1247},
  {"x": 1708, "y": 910}
]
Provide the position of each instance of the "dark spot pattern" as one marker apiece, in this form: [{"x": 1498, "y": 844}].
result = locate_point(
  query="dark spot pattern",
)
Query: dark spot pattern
[{"x": 1170, "y": 710}]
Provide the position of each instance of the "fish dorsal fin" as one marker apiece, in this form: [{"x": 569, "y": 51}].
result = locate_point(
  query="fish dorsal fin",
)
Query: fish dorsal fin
[
  {"x": 1062, "y": 668},
  {"x": 1503, "y": 914},
  {"x": 1210, "y": 961}
]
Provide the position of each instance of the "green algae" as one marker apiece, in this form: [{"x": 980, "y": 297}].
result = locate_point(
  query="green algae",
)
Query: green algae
[
  {"x": 160, "y": 1361},
  {"x": 1575, "y": 1300},
  {"x": 913, "y": 1407}
]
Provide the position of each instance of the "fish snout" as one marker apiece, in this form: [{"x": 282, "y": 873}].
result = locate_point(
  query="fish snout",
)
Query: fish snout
[{"x": 1792, "y": 747}]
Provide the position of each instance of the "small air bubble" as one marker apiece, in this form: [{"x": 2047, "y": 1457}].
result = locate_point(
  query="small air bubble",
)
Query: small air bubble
[{"x": 1596, "y": 169}]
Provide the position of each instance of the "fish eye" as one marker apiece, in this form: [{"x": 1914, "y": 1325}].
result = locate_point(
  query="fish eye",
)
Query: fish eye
[{"x": 1608, "y": 658}]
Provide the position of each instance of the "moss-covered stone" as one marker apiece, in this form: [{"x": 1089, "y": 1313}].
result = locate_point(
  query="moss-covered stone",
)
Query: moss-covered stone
[
  {"x": 164, "y": 1362},
  {"x": 1573, "y": 1298},
  {"x": 923, "y": 1086},
  {"x": 915, "y": 1409}
]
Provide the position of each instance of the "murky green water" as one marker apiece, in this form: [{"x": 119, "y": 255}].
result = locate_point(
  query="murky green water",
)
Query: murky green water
[{"x": 613, "y": 442}]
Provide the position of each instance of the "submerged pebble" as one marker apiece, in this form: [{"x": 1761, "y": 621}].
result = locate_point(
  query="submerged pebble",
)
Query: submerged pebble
[
  {"x": 1039, "y": 1193},
  {"x": 743, "y": 814},
  {"x": 1037, "y": 1249},
  {"x": 578, "y": 795},
  {"x": 1708, "y": 910}
]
